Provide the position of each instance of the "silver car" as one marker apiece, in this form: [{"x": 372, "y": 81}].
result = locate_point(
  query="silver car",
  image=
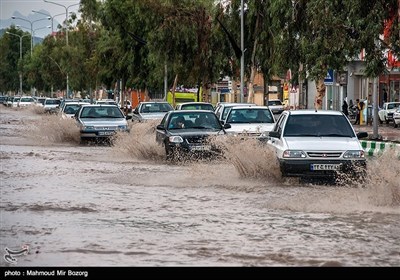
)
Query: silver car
[
  {"x": 151, "y": 110},
  {"x": 100, "y": 121}
]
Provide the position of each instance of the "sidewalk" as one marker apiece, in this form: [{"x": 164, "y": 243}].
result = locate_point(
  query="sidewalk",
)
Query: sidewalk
[{"x": 386, "y": 132}]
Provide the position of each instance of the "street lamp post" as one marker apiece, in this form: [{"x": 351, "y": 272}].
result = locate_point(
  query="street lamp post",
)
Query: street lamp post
[
  {"x": 20, "y": 56},
  {"x": 52, "y": 18},
  {"x": 31, "y": 23},
  {"x": 66, "y": 30},
  {"x": 242, "y": 53}
]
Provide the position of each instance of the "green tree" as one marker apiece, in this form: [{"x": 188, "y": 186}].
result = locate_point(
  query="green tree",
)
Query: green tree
[{"x": 10, "y": 64}]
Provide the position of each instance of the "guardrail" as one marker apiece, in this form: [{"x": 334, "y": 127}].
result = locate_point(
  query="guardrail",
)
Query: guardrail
[{"x": 374, "y": 148}]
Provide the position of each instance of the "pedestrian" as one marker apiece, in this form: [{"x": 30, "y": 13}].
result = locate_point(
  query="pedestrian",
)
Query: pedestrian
[
  {"x": 357, "y": 111},
  {"x": 345, "y": 108},
  {"x": 384, "y": 95}
]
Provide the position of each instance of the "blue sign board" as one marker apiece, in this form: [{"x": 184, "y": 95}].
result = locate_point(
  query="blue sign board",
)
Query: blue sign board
[{"x": 328, "y": 81}]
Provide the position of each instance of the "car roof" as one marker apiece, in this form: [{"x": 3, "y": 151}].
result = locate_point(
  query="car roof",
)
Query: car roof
[
  {"x": 190, "y": 112},
  {"x": 190, "y": 103},
  {"x": 98, "y": 105},
  {"x": 250, "y": 106},
  {"x": 146, "y": 102},
  {"x": 314, "y": 112},
  {"x": 76, "y": 103}
]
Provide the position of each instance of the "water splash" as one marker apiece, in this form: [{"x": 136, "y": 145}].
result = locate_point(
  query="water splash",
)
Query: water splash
[
  {"x": 54, "y": 129},
  {"x": 383, "y": 179},
  {"x": 251, "y": 158},
  {"x": 140, "y": 143}
]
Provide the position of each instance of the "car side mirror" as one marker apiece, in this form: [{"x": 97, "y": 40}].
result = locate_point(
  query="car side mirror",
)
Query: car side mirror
[
  {"x": 160, "y": 127},
  {"x": 136, "y": 111},
  {"x": 227, "y": 125},
  {"x": 362, "y": 135},
  {"x": 128, "y": 117},
  {"x": 274, "y": 134}
]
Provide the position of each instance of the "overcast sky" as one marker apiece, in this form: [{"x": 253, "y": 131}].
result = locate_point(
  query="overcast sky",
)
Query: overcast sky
[{"x": 24, "y": 7}]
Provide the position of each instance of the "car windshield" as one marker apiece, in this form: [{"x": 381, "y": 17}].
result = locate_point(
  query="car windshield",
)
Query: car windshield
[
  {"x": 249, "y": 115},
  {"x": 393, "y": 105},
  {"x": 318, "y": 126},
  {"x": 274, "y": 102},
  {"x": 71, "y": 108},
  {"x": 101, "y": 112},
  {"x": 194, "y": 120},
  {"x": 155, "y": 107},
  {"x": 26, "y": 99},
  {"x": 197, "y": 107},
  {"x": 52, "y": 102}
]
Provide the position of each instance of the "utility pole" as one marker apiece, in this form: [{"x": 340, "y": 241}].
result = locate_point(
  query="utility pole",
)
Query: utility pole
[
  {"x": 242, "y": 50},
  {"x": 375, "y": 109},
  {"x": 66, "y": 31}
]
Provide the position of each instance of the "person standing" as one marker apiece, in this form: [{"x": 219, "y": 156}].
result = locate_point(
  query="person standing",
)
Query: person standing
[
  {"x": 345, "y": 108},
  {"x": 357, "y": 112}
]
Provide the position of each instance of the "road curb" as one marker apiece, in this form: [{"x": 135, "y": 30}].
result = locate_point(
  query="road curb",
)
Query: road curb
[{"x": 374, "y": 148}]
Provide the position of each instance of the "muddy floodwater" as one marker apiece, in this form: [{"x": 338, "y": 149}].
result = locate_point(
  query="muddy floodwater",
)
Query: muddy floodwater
[{"x": 124, "y": 205}]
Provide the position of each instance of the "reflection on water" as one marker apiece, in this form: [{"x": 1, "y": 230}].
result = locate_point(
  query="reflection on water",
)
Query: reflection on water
[{"x": 125, "y": 205}]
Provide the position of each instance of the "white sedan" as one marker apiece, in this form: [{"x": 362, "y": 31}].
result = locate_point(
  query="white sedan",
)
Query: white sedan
[
  {"x": 249, "y": 120},
  {"x": 318, "y": 144},
  {"x": 396, "y": 117}
]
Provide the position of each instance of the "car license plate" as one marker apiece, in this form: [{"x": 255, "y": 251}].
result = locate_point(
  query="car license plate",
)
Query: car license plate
[
  {"x": 106, "y": 133},
  {"x": 200, "y": 148},
  {"x": 334, "y": 167}
]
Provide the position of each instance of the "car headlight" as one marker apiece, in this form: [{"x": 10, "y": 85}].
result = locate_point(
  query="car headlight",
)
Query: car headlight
[
  {"x": 175, "y": 139},
  {"x": 89, "y": 127},
  {"x": 294, "y": 154},
  {"x": 122, "y": 127},
  {"x": 354, "y": 154}
]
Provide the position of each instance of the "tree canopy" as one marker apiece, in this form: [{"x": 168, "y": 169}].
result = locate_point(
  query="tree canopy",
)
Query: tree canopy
[{"x": 134, "y": 40}]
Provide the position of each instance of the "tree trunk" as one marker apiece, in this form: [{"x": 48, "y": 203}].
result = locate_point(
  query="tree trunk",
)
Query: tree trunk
[
  {"x": 173, "y": 90},
  {"x": 320, "y": 94},
  {"x": 250, "y": 96}
]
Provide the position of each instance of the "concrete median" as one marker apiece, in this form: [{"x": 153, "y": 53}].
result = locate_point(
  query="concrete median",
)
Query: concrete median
[{"x": 374, "y": 148}]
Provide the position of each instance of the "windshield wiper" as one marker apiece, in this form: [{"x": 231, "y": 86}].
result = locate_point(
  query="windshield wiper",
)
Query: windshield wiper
[{"x": 333, "y": 135}]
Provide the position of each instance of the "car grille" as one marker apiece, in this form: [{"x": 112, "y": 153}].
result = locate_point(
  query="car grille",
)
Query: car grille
[
  {"x": 324, "y": 154},
  {"x": 105, "y": 128},
  {"x": 250, "y": 134},
  {"x": 390, "y": 115},
  {"x": 196, "y": 140}
]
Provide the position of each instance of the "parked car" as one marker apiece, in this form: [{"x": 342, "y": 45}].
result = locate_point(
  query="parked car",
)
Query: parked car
[
  {"x": 98, "y": 121},
  {"x": 185, "y": 133},
  {"x": 276, "y": 106},
  {"x": 253, "y": 121},
  {"x": 386, "y": 113},
  {"x": 396, "y": 117},
  {"x": 223, "y": 108},
  {"x": 151, "y": 110},
  {"x": 317, "y": 144},
  {"x": 195, "y": 106}
]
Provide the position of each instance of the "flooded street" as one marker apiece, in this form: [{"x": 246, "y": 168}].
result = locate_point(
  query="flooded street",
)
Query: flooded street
[{"x": 124, "y": 205}]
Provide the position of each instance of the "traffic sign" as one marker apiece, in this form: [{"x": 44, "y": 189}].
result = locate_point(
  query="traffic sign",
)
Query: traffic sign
[{"x": 328, "y": 81}]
